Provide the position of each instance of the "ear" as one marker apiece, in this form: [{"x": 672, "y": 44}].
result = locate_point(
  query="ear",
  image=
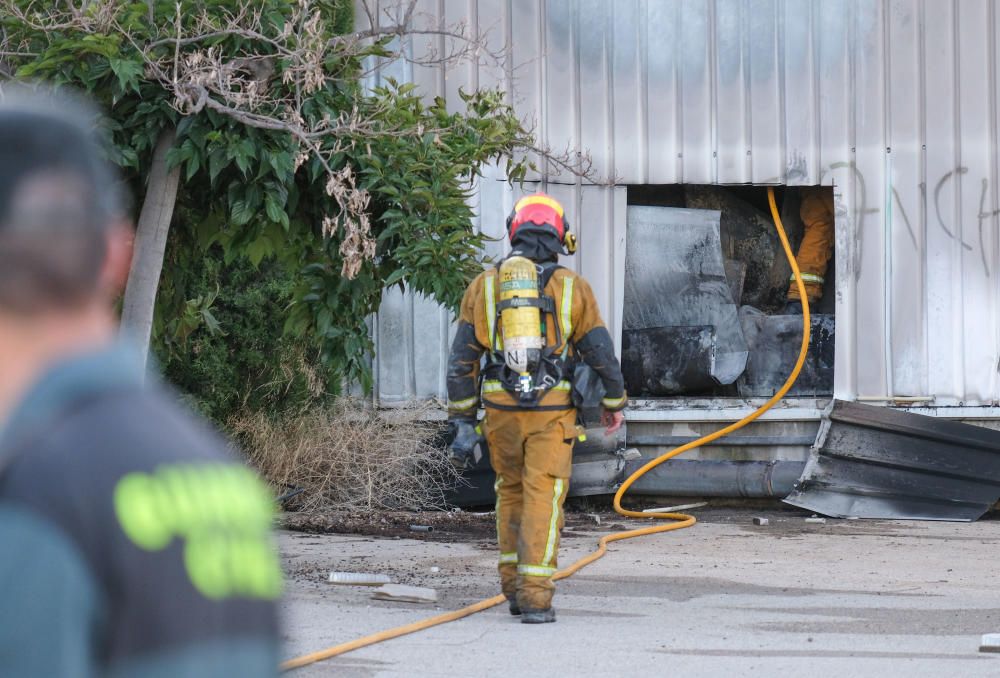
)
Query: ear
[{"x": 117, "y": 258}]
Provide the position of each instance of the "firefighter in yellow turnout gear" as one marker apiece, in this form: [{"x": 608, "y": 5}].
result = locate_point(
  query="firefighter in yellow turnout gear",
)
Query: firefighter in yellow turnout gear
[
  {"x": 537, "y": 324},
  {"x": 816, "y": 248}
]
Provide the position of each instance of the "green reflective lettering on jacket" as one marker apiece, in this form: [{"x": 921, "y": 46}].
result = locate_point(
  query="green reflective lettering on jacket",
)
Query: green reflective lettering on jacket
[
  {"x": 136, "y": 504},
  {"x": 222, "y": 512}
]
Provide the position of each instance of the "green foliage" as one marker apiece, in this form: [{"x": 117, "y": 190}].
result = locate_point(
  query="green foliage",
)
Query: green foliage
[
  {"x": 258, "y": 193},
  {"x": 226, "y": 349},
  {"x": 421, "y": 216}
]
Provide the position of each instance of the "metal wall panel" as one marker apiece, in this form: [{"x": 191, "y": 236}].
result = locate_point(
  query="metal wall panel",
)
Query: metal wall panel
[
  {"x": 732, "y": 93},
  {"x": 942, "y": 256},
  {"x": 903, "y": 159},
  {"x": 765, "y": 143},
  {"x": 892, "y": 102},
  {"x": 975, "y": 226},
  {"x": 592, "y": 109},
  {"x": 626, "y": 43},
  {"x": 663, "y": 90}
]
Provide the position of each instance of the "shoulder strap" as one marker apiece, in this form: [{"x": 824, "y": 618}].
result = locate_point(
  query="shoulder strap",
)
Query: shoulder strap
[
  {"x": 491, "y": 312},
  {"x": 562, "y": 307},
  {"x": 548, "y": 270}
]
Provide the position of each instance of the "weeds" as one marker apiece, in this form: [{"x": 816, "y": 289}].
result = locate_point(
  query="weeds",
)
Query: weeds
[{"x": 350, "y": 457}]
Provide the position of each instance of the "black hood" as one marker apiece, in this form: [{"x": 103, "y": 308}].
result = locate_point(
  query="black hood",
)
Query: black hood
[{"x": 537, "y": 243}]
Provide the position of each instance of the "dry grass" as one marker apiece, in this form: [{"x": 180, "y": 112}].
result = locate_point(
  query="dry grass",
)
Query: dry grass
[{"x": 349, "y": 457}]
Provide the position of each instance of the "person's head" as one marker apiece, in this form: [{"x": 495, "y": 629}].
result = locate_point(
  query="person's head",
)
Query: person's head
[
  {"x": 63, "y": 235},
  {"x": 538, "y": 228}
]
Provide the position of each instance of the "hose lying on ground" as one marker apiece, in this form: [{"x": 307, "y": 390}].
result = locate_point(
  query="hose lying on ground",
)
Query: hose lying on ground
[{"x": 678, "y": 520}]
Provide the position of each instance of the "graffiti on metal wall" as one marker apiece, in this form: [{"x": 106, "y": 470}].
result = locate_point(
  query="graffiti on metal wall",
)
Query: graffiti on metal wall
[
  {"x": 862, "y": 210},
  {"x": 981, "y": 218}
]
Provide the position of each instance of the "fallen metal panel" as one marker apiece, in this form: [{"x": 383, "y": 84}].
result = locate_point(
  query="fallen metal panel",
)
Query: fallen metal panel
[
  {"x": 675, "y": 277},
  {"x": 876, "y": 462}
]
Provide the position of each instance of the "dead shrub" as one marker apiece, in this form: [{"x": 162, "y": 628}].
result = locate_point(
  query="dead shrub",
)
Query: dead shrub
[{"x": 350, "y": 457}]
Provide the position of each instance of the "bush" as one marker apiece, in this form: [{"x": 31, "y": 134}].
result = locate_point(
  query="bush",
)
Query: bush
[
  {"x": 220, "y": 338},
  {"x": 348, "y": 457}
]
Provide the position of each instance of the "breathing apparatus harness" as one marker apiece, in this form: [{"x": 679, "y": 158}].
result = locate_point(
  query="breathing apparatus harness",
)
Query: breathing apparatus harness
[{"x": 519, "y": 358}]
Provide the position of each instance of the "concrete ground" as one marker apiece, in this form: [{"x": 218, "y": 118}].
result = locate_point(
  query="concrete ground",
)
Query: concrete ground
[{"x": 724, "y": 598}]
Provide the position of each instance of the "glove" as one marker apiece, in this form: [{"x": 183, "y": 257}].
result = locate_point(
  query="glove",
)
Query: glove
[
  {"x": 463, "y": 438},
  {"x": 793, "y": 308}
]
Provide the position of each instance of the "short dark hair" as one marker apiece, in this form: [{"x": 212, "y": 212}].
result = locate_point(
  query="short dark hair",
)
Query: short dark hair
[{"x": 58, "y": 198}]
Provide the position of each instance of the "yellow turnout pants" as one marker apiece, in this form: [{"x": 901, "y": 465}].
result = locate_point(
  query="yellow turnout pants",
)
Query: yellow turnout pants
[{"x": 532, "y": 454}]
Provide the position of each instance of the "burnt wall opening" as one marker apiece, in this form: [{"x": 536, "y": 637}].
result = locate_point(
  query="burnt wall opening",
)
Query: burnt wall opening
[{"x": 706, "y": 306}]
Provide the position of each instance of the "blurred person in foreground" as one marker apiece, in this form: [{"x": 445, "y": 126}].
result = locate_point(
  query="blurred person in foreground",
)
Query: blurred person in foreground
[{"x": 131, "y": 543}]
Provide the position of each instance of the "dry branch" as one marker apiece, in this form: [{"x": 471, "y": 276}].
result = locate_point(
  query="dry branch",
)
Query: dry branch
[
  {"x": 349, "y": 457},
  {"x": 180, "y": 57}
]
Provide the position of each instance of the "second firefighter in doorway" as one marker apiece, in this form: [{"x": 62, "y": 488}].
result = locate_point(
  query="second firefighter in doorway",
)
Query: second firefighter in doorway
[
  {"x": 816, "y": 248},
  {"x": 538, "y": 325}
]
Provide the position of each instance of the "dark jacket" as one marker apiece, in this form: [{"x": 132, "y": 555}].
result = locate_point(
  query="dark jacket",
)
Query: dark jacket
[{"x": 132, "y": 542}]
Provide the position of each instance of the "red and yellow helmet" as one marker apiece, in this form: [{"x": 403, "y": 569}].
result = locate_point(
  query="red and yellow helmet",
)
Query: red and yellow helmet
[{"x": 542, "y": 211}]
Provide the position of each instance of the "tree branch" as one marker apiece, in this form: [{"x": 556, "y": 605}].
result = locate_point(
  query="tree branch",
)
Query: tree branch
[{"x": 185, "y": 56}]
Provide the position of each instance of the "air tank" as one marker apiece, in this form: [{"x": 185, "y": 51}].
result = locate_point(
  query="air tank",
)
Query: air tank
[{"x": 521, "y": 324}]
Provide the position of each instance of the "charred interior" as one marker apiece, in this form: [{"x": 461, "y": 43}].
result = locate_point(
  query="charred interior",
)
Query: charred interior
[{"x": 707, "y": 309}]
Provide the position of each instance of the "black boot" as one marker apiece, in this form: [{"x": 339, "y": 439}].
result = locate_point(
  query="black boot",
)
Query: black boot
[
  {"x": 793, "y": 307},
  {"x": 534, "y": 616},
  {"x": 515, "y": 609}
]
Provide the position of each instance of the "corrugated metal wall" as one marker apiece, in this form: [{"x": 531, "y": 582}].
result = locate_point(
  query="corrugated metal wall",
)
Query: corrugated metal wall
[{"x": 893, "y": 102}]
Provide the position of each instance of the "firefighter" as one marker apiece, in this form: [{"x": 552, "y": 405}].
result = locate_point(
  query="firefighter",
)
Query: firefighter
[
  {"x": 538, "y": 324},
  {"x": 816, "y": 247}
]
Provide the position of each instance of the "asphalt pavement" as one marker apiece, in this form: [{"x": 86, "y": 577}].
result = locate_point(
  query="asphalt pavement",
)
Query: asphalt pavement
[{"x": 723, "y": 598}]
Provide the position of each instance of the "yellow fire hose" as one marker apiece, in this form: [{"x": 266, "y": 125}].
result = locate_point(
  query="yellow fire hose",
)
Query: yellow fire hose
[{"x": 678, "y": 520}]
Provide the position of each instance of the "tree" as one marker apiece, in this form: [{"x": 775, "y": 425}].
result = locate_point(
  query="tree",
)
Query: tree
[{"x": 253, "y": 119}]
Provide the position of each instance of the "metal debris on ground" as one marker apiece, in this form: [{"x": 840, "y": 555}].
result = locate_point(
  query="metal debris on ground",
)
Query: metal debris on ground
[
  {"x": 421, "y": 528},
  {"x": 672, "y": 509},
  {"x": 990, "y": 642},
  {"x": 760, "y": 521},
  {"x": 405, "y": 594},
  {"x": 631, "y": 454},
  {"x": 358, "y": 578},
  {"x": 596, "y": 518},
  {"x": 814, "y": 519}
]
